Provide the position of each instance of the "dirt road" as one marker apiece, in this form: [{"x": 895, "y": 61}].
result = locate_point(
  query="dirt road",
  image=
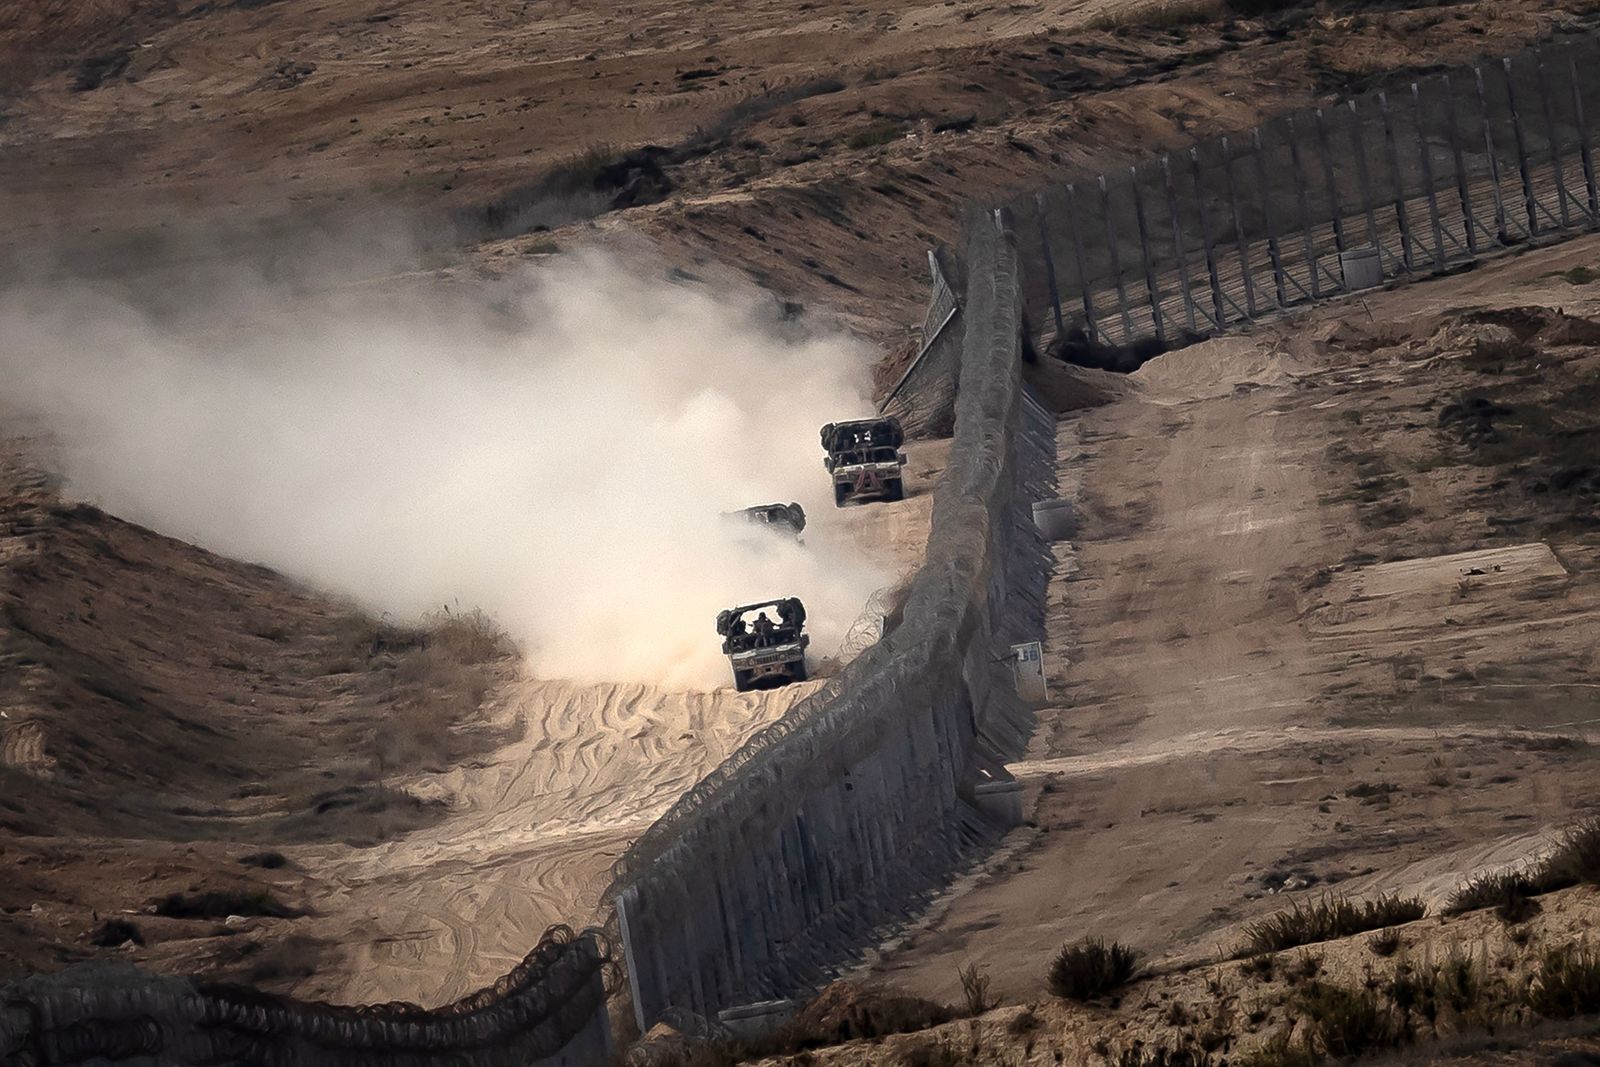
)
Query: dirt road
[
  {"x": 1311, "y": 635},
  {"x": 420, "y": 877}
]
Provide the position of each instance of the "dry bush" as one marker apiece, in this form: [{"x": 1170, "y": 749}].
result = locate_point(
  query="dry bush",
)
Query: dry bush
[
  {"x": 467, "y": 637},
  {"x": 1568, "y": 983},
  {"x": 1260, "y": 966},
  {"x": 1508, "y": 892},
  {"x": 1343, "y": 1022},
  {"x": 1576, "y": 860},
  {"x": 1327, "y": 919},
  {"x": 1385, "y": 942},
  {"x": 361, "y": 637},
  {"x": 975, "y": 989},
  {"x": 1091, "y": 968},
  {"x": 1430, "y": 992}
]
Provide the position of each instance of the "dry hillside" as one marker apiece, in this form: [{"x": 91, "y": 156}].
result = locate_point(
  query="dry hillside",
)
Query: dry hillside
[{"x": 1261, "y": 690}]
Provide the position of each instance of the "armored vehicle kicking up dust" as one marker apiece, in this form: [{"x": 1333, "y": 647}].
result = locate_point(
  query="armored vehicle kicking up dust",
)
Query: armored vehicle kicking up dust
[
  {"x": 765, "y": 652},
  {"x": 865, "y": 460},
  {"x": 778, "y": 517}
]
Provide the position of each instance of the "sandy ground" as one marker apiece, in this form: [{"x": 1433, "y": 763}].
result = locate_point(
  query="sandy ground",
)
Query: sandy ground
[
  {"x": 1230, "y": 1009},
  {"x": 421, "y": 877},
  {"x": 1310, "y": 635}
]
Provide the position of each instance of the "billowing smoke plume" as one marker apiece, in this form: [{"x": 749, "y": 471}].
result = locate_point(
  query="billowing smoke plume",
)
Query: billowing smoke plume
[{"x": 557, "y": 449}]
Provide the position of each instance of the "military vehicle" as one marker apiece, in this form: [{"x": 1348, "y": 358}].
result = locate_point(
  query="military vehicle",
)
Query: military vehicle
[
  {"x": 865, "y": 460},
  {"x": 779, "y": 517},
  {"x": 765, "y": 643}
]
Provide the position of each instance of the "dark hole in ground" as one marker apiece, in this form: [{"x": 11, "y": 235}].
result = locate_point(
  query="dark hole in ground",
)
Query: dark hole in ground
[
  {"x": 221, "y": 903},
  {"x": 1078, "y": 348}
]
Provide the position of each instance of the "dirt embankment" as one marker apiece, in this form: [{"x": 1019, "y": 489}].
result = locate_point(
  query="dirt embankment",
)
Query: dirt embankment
[
  {"x": 821, "y": 151},
  {"x": 257, "y": 782}
]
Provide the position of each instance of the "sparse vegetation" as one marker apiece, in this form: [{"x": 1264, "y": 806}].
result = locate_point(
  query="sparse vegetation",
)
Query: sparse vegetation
[
  {"x": 1372, "y": 792},
  {"x": 1091, "y": 968},
  {"x": 1567, "y": 984},
  {"x": 878, "y": 133},
  {"x": 1172, "y": 15},
  {"x": 1329, "y": 918},
  {"x": 1343, "y": 1022},
  {"x": 975, "y": 989},
  {"x": 1510, "y": 892},
  {"x": 1385, "y": 942},
  {"x": 1574, "y": 861}
]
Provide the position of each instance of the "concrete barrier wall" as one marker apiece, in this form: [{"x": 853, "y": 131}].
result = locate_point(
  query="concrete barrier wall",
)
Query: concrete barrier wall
[
  {"x": 840, "y": 820},
  {"x": 549, "y": 1011}
]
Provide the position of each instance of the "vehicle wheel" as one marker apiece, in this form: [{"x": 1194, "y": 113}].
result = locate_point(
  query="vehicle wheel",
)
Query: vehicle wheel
[
  {"x": 741, "y": 681},
  {"x": 799, "y": 674},
  {"x": 841, "y": 493},
  {"x": 894, "y": 489}
]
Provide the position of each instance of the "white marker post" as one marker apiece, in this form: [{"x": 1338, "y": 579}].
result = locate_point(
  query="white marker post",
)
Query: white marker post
[{"x": 1029, "y": 669}]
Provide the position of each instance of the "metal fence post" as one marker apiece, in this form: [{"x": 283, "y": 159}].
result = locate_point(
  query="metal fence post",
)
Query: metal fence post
[
  {"x": 1049, "y": 265},
  {"x": 1177, "y": 244},
  {"x": 1399, "y": 181},
  {"x": 1528, "y": 200},
  {"x": 1335, "y": 210},
  {"x": 1273, "y": 251},
  {"x": 1090, "y": 325},
  {"x": 1238, "y": 231},
  {"x": 1305, "y": 212},
  {"x": 1205, "y": 237},
  {"x": 1543, "y": 84},
  {"x": 1502, "y": 234},
  {"x": 1116, "y": 261},
  {"x": 1584, "y": 148},
  {"x": 1144, "y": 254},
  {"x": 1463, "y": 193},
  {"x": 1359, "y": 148},
  {"x": 1427, "y": 178}
]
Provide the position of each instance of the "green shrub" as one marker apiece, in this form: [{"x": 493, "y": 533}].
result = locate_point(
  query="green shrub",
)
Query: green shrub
[
  {"x": 1091, "y": 968},
  {"x": 1329, "y": 918}
]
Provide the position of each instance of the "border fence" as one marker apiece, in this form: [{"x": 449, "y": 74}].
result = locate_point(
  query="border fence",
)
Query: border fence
[
  {"x": 550, "y": 1011},
  {"x": 841, "y": 819},
  {"x": 924, "y": 399},
  {"x": 1419, "y": 178}
]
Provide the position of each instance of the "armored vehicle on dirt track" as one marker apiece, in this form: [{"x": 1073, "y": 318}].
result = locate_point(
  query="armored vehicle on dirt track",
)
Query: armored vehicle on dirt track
[
  {"x": 865, "y": 460},
  {"x": 779, "y": 517},
  {"x": 765, "y": 643}
]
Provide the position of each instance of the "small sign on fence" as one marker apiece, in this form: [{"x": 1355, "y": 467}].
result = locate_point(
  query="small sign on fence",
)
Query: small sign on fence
[{"x": 1029, "y": 669}]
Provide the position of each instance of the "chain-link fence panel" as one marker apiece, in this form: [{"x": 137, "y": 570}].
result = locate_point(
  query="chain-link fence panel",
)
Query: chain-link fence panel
[{"x": 1415, "y": 178}]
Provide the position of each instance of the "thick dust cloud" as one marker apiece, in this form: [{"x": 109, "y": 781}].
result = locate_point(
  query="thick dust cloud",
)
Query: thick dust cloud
[{"x": 556, "y": 448}]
